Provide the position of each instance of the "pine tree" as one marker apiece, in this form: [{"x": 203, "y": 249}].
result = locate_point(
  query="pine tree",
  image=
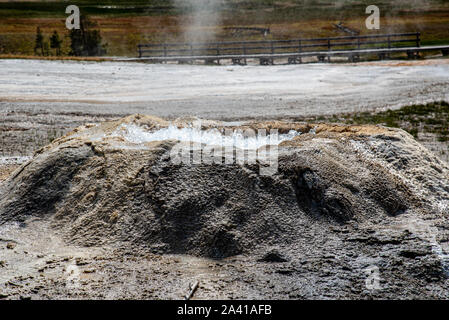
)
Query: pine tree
[
  {"x": 86, "y": 41},
  {"x": 39, "y": 44},
  {"x": 55, "y": 43}
]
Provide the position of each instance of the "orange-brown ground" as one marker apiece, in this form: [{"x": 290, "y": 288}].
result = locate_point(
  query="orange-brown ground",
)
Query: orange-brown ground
[{"x": 123, "y": 33}]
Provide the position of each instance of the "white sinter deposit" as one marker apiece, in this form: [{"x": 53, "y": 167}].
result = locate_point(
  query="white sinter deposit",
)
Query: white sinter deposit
[
  {"x": 219, "y": 92},
  {"x": 242, "y": 139}
]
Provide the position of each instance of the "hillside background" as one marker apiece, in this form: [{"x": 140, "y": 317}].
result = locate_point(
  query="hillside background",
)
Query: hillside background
[{"x": 124, "y": 24}]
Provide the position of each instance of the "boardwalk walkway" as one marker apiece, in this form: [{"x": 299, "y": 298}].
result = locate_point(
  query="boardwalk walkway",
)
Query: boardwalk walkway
[{"x": 267, "y": 52}]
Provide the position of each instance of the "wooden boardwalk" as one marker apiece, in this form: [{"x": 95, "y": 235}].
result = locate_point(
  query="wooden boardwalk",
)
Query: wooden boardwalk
[{"x": 293, "y": 51}]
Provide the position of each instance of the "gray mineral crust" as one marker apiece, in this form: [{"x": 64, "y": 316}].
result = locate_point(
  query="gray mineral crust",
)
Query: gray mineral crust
[{"x": 351, "y": 212}]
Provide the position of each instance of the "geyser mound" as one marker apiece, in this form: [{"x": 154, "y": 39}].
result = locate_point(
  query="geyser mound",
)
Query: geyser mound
[{"x": 117, "y": 183}]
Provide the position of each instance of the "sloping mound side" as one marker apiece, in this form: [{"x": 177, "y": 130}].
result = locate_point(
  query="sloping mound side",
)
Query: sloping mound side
[{"x": 98, "y": 188}]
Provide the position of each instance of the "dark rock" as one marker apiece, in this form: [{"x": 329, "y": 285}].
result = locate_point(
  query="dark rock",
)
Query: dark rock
[
  {"x": 273, "y": 256},
  {"x": 10, "y": 245},
  {"x": 412, "y": 254}
]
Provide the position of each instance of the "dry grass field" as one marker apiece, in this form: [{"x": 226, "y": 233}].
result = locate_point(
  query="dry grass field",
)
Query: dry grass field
[{"x": 125, "y": 24}]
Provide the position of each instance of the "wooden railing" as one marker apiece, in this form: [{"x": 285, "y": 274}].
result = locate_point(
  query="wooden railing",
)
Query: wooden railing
[{"x": 273, "y": 47}]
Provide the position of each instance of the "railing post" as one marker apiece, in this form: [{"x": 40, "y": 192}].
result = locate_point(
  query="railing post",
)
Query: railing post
[
  {"x": 389, "y": 46},
  {"x": 358, "y": 43},
  {"x": 244, "y": 53},
  {"x": 418, "y": 39},
  {"x": 329, "y": 44},
  {"x": 140, "y": 50},
  {"x": 165, "y": 50},
  {"x": 299, "y": 46},
  {"x": 272, "y": 47}
]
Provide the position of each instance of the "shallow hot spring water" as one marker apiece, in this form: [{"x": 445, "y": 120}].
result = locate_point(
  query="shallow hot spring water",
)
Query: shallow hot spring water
[{"x": 248, "y": 139}]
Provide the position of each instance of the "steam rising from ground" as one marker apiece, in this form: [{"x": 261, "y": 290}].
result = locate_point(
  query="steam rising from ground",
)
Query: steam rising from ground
[{"x": 202, "y": 18}]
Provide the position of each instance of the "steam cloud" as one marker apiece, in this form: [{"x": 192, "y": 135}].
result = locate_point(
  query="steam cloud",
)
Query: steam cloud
[{"x": 201, "y": 20}]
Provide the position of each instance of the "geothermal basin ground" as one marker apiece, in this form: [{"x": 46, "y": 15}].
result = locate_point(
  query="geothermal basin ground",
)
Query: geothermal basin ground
[
  {"x": 217, "y": 92},
  {"x": 348, "y": 203}
]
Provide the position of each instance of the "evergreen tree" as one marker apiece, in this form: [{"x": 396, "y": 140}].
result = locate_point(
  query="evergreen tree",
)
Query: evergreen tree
[
  {"x": 76, "y": 42},
  {"x": 86, "y": 41},
  {"x": 55, "y": 43},
  {"x": 39, "y": 44}
]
